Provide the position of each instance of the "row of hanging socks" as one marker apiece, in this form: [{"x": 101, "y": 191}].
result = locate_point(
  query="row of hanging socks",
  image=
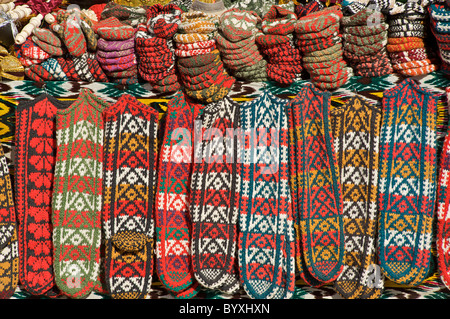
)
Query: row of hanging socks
[{"x": 317, "y": 209}]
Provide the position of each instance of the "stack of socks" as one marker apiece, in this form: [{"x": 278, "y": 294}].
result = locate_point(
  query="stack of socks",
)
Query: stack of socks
[
  {"x": 202, "y": 72},
  {"x": 320, "y": 41},
  {"x": 155, "y": 49},
  {"x": 276, "y": 43},
  {"x": 365, "y": 39},
  {"x": 47, "y": 41},
  {"x": 29, "y": 53},
  {"x": 237, "y": 46},
  {"x": 406, "y": 41},
  {"x": 116, "y": 53},
  {"x": 440, "y": 26}
]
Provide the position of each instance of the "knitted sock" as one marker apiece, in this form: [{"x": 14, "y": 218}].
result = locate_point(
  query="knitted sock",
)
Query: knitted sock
[
  {"x": 199, "y": 60},
  {"x": 312, "y": 47},
  {"x": 405, "y": 46},
  {"x": 418, "y": 71},
  {"x": 367, "y": 49},
  {"x": 266, "y": 237},
  {"x": 215, "y": 200},
  {"x": 278, "y": 20},
  {"x": 319, "y": 20},
  {"x": 323, "y": 247},
  {"x": 130, "y": 145},
  {"x": 186, "y": 53},
  {"x": 31, "y": 50},
  {"x": 333, "y": 69},
  {"x": 194, "y": 37},
  {"x": 119, "y": 66},
  {"x": 9, "y": 255},
  {"x": 356, "y": 129},
  {"x": 77, "y": 195},
  {"x": 331, "y": 30},
  {"x": 114, "y": 54},
  {"x": 335, "y": 48},
  {"x": 196, "y": 45},
  {"x": 406, "y": 210},
  {"x": 324, "y": 58},
  {"x": 172, "y": 218},
  {"x": 364, "y": 30},
  {"x": 198, "y": 70},
  {"x": 362, "y": 17},
  {"x": 35, "y": 160},
  {"x": 269, "y": 40},
  {"x": 73, "y": 37},
  {"x": 52, "y": 50},
  {"x": 224, "y": 43},
  {"x": 119, "y": 45},
  {"x": 47, "y": 36},
  {"x": 215, "y": 92},
  {"x": 238, "y": 25},
  {"x": 124, "y": 73},
  {"x": 119, "y": 60},
  {"x": 112, "y": 29},
  {"x": 372, "y": 39}
]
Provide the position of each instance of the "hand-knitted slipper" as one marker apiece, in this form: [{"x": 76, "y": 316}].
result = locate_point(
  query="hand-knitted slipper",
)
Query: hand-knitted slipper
[
  {"x": 318, "y": 42},
  {"x": 265, "y": 206},
  {"x": 198, "y": 70},
  {"x": 9, "y": 253},
  {"x": 418, "y": 71},
  {"x": 162, "y": 60},
  {"x": 248, "y": 47},
  {"x": 130, "y": 138},
  {"x": 407, "y": 34},
  {"x": 405, "y": 46},
  {"x": 47, "y": 36},
  {"x": 112, "y": 29},
  {"x": 278, "y": 20},
  {"x": 328, "y": 43},
  {"x": 368, "y": 49},
  {"x": 155, "y": 77},
  {"x": 196, "y": 45},
  {"x": 339, "y": 74},
  {"x": 224, "y": 43},
  {"x": 328, "y": 71},
  {"x": 355, "y": 59},
  {"x": 406, "y": 259},
  {"x": 108, "y": 45},
  {"x": 38, "y": 74},
  {"x": 330, "y": 67},
  {"x": 406, "y": 56},
  {"x": 319, "y": 20},
  {"x": 31, "y": 177},
  {"x": 270, "y": 40},
  {"x": 404, "y": 40},
  {"x": 124, "y": 73},
  {"x": 119, "y": 66},
  {"x": 50, "y": 49},
  {"x": 249, "y": 60},
  {"x": 406, "y": 28},
  {"x": 31, "y": 50},
  {"x": 333, "y": 85},
  {"x": 151, "y": 42},
  {"x": 365, "y": 40},
  {"x": 346, "y": 126},
  {"x": 188, "y": 53},
  {"x": 279, "y": 76},
  {"x": 214, "y": 238},
  {"x": 364, "y": 31},
  {"x": 122, "y": 59},
  {"x": 197, "y": 22},
  {"x": 203, "y": 80},
  {"x": 411, "y": 64},
  {"x": 214, "y": 92},
  {"x": 60, "y": 68},
  {"x": 74, "y": 38},
  {"x": 163, "y": 21},
  {"x": 400, "y": 22},
  {"x": 332, "y": 30},
  {"x": 324, "y": 58},
  {"x": 114, "y": 54},
  {"x": 76, "y": 257},
  {"x": 81, "y": 66},
  {"x": 198, "y": 60},
  {"x": 238, "y": 25},
  {"x": 375, "y": 72},
  {"x": 194, "y": 37},
  {"x": 335, "y": 48}
]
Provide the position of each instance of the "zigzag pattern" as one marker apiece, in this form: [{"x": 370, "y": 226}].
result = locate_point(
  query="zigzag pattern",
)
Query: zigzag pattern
[
  {"x": 77, "y": 196},
  {"x": 130, "y": 152},
  {"x": 35, "y": 161},
  {"x": 356, "y": 129},
  {"x": 172, "y": 217},
  {"x": 266, "y": 237},
  {"x": 407, "y": 182},
  {"x": 316, "y": 181},
  {"x": 215, "y": 199}
]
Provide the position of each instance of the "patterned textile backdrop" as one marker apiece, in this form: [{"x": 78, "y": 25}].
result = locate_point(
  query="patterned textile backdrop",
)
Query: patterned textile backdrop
[{"x": 12, "y": 92}]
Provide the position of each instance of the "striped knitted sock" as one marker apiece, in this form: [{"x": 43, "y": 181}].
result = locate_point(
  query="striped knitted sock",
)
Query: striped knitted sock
[
  {"x": 73, "y": 37},
  {"x": 172, "y": 217},
  {"x": 320, "y": 208},
  {"x": 9, "y": 254},
  {"x": 407, "y": 182},
  {"x": 356, "y": 129},
  {"x": 214, "y": 203},
  {"x": 35, "y": 160},
  {"x": 266, "y": 230},
  {"x": 77, "y": 195},
  {"x": 130, "y": 152}
]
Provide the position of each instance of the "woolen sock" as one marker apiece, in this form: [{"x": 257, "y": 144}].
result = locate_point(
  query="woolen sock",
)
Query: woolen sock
[
  {"x": 50, "y": 49},
  {"x": 318, "y": 21},
  {"x": 119, "y": 45},
  {"x": 278, "y": 20},
  {"x": 130, "y": 160},
  {"x": 32, "y": 178},
  {"x": 74, "y": 38},
  {"x": 327, "y": 32},
  {"x": 199, "y": 60},
  {"x": 77, "y": 236},
  {"x": 238, "y": 25},
  {"x": 364, "y": 30}
]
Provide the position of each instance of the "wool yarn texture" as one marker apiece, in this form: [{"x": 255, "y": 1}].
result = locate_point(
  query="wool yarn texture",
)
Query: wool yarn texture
[
  {"x": 214, "y": 204},
  {"x": 319, "y": 39},
  {"x": 279, "y": 23},
  {"x": 155, "y": 47},
  {"x": 442, "y": 210},
  {"x": 236, "y": 37},
  {"x": 215, "y": 82},
  {"x": 358, "y": 48},
  {"x": 407, "y": 182},
  {"x": 129, "y": 180},
  {"x": 173, "y": 196},
  {"x": 398, "y": 29},
  {"x": 356, "y": 133},
  {"x": 9, "y": 251},
  {"x": 33, "y": 183},
  {"x": 77, "y": 195},
  {"x": 266, "y": 228},
  {"x": 316, "y": 189}
]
